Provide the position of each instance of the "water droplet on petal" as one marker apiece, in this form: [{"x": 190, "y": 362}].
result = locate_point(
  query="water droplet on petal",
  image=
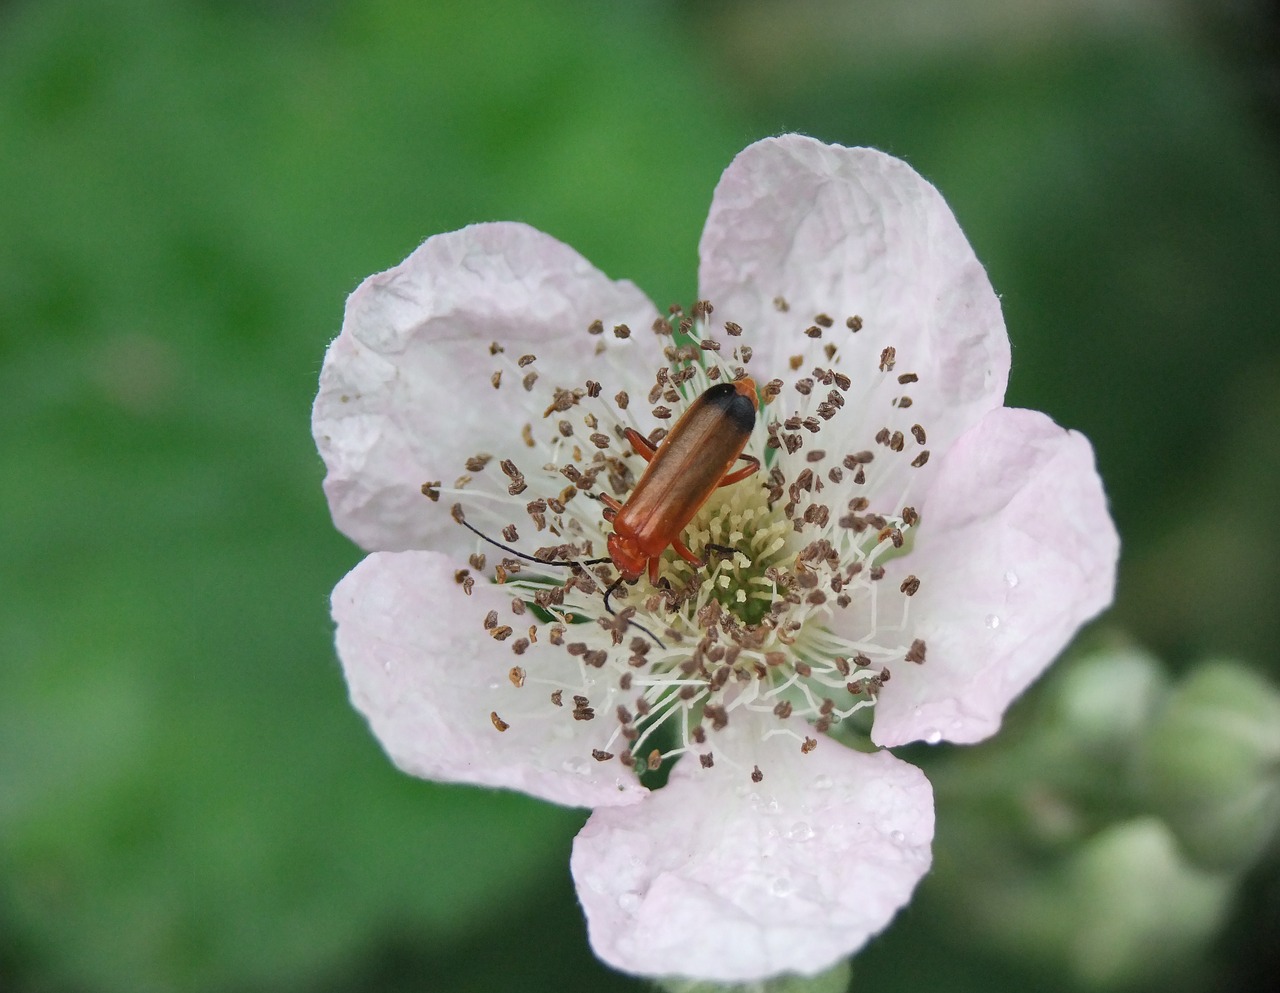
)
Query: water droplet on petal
[
  {"x": 781, "y": 886},
  {"x": 1011, "y": 579},
  {"x": 800, "y": 831},
  {"x": 822, "y": 782},
  {"x": 933, "y": 736},
  {"x": 630, "y": 902},
  {"x": 898, "y": 837},
  {"x": 993, "y": 621}
]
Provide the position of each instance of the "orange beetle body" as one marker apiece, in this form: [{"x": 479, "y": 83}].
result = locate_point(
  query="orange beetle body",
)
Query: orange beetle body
[{"x": 691, "y": 462}]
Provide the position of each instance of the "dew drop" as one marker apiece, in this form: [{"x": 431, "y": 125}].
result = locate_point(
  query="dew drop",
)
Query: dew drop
[
  {"x": 932, "y": 736},
  {"x": 781, "y": 886},
  {"x": 993, "y": 621},
  {"x": 898, "y": 837},
  {"x": 800, "y": 831},
  {"x": 629, "y": 902},
  {"x": 822, "y": 782},
  {"x": 1011, "y": 579}
]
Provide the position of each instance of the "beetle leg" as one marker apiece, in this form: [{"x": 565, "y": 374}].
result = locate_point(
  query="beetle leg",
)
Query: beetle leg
[
  {"x": 643, "y": 446},
  {"x": 737, "y": 475},
  {"x": 612, "y": 507},
  {"x": 683, "y": 551}
]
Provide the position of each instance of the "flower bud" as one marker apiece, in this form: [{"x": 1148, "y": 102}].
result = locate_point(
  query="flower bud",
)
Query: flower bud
[{"x": 1210, "y": 765}]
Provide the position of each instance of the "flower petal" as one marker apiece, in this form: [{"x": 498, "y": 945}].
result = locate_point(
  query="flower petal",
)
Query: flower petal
[
  {"x": 852, "y": 231},
  {"x": 427, "y": 675},
  {"x": 405, "y": 393},
  {"x": 715, "y": 878},
  {"x": 1016, "y": 550}
]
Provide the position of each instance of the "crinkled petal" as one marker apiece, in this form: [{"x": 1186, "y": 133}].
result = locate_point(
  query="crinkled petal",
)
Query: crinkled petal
[
  {"x": 427, "y": 676},
  {"x": 715, "y": 878},
  {"x": 1015, "y": 551},
  {"x": 405, "y": 392},
  {"x": 852, "y": 231}
]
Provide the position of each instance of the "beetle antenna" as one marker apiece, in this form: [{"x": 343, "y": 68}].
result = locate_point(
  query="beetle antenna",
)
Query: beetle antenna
[
  {"x": 461, "y": 519},
  {"x": 630, "y": 623}
]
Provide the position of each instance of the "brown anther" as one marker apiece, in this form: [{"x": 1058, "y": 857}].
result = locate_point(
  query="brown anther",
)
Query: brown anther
[
  {"x": 520, "y": 646},
  {"x": 595, "y": 327},
  {"x": 824, "y": 320},
  {"x": 662, "y": 326},
  {"x": 916, "y": 652},
  {"x": 496, "y": 379},
  {"x": 557, "y": 697},
  {"x": 501, "y": 633},
  {"x": 908, "y": 377},
  {"x": 858, "y": 458},
  {"x": 813, "y": 331},
  {"x": 803, "y": 669},
  {"x": 772, "y": 390},
  {"x": 468, "y": 584},
  {"x": 795, "y": 362},
  {"x": 887, "y": 358},
  {"x": 780, "y": 304},
  {"x": 491, "y": 620},
  {"x": 903, "y": 401},
  {"x": 709, "y": 345},
  {"x": 431, "y": 491},
  {"x": 732, "y": 329},
  {"x": 876, "y": 574},
  {"x": 921, "y": 459},
  {"x": 654, "y": 761},
  {"x": 600, "y": 755},
  {"x": 662, "y": 413},
  {"x": 621, "y": 331},
  {"x": 510, "y": 533},
  {"x": 600, "y": 440},
  {"x": 815, "y": 455},
  {"x": 528, "y": 381},
  {"x": 809, "y": 745},
  {"x": 910, "y": 586},
  {"x": 756, "y": 775},
  {"x": 498, "y": 722},
  {"x": 621, "y": 399},
  {"x": 705, "y": 760},
  {"x": 854, "y": 323},
  {"x": 896, "y": 441},
  {"x": 461, "y": 575},
  {"x": 783, "y": 709},
  {"x": 526, "y": 435},
  {"x": 917, "y": 432},
  {"x": 909, "y": 516},
  {"x": 892, "y": 534},
  {"x": 495, "y": 348},
  {"x": 516, "y": 675}
]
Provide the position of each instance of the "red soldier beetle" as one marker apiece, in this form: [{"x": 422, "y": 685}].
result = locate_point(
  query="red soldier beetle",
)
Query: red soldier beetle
[
  {"x": 684, "y": 470},
  {"x": 694, "y": 460}
]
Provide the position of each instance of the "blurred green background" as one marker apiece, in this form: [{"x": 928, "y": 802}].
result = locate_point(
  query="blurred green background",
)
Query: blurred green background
[{"x": 189, "y": 189}]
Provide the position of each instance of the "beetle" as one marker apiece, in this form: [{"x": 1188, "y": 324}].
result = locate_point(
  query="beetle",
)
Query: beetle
[{"x": 691, "y": 462}]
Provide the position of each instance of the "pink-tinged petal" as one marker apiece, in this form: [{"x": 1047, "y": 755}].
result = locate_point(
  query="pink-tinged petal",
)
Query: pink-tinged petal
[
  {"x": 716, "y": 878},
  {"x": 853, "y": 232},
  {"x": 1015, "y": 551},
  {"x": 405, "y": 392},
  {"x": 427, "y": 675}
]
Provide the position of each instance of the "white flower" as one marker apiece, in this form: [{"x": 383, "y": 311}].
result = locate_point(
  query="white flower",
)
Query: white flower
[{"x": 910, "y": 543}]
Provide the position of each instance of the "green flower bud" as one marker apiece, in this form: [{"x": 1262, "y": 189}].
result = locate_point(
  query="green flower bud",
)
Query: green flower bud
[{"x": 1210, "y": 765}]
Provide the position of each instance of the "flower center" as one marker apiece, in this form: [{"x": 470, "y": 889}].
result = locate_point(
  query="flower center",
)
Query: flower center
[{"x": 789, "y": 616}]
